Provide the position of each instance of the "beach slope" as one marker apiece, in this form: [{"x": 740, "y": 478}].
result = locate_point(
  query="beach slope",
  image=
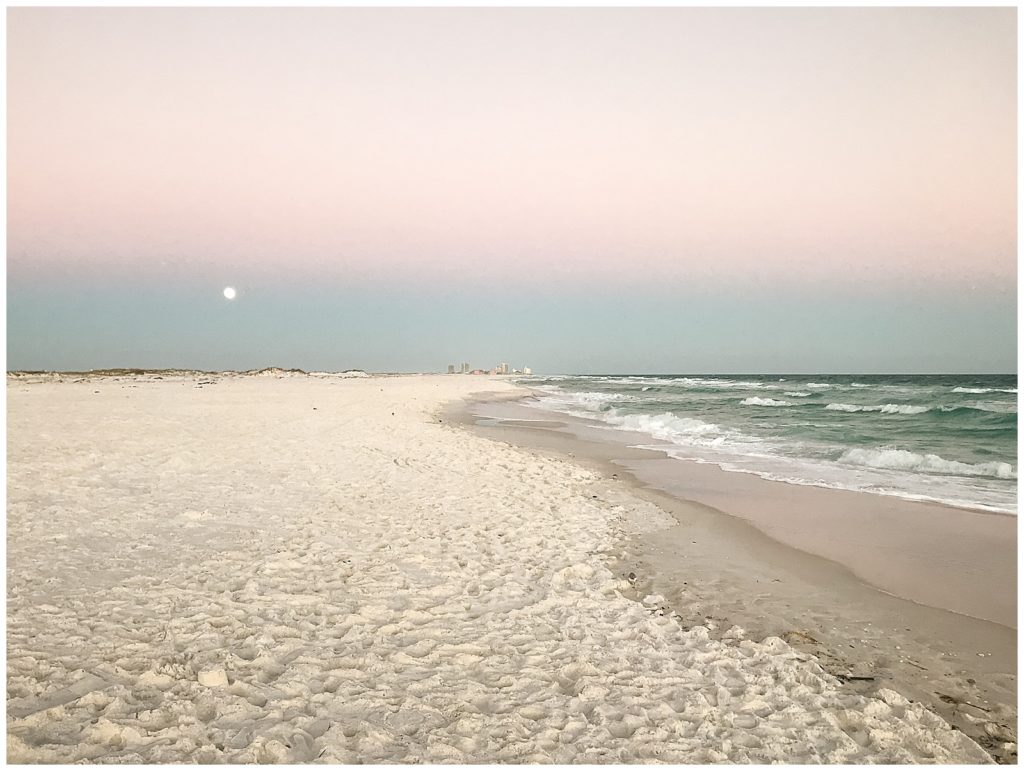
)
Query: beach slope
[{"x": 295, "y": 568}]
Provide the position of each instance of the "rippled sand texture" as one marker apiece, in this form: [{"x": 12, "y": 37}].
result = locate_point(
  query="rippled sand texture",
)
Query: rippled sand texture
[{"x": 299, "y": 568}]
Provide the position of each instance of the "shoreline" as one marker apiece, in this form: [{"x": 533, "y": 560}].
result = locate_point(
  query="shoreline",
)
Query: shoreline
[
  {"x": 948, "y": 445},
  {"x": 718, "y": 568},
  {"x": 298, "y": 569},
  {"x": 898, "y": 545}
]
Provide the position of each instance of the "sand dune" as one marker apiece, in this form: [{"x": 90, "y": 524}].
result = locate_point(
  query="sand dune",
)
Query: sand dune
[{"x": 311, "y": 568}]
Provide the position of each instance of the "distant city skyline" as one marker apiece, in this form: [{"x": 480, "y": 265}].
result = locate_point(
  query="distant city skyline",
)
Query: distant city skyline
[
  {"x": 504, "y": 368},
  {"x": 633, "y": 190}
]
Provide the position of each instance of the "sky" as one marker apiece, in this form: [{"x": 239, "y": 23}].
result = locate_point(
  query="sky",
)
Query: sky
[{"x": 574, "y": 190}]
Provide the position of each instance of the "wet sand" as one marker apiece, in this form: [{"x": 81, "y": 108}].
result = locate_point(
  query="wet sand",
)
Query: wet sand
[{"x": 887, "y": 593}]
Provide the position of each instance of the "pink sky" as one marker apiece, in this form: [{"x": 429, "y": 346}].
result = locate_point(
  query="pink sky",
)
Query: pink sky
[{"x": 839, "y": 144}]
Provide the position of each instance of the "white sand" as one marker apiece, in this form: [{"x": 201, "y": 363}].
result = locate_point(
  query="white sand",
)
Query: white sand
[{"x": 371, "y": 585}]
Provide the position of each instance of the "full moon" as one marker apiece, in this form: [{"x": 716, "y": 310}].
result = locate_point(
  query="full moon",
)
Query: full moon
[{"x": 229, "y": 292}]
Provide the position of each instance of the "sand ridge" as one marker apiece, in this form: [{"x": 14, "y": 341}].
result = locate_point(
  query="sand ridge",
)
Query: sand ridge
[{"x": 312, "y": 569}]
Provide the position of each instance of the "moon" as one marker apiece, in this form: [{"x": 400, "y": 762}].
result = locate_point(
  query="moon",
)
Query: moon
[{"x": 229, "y": 292}]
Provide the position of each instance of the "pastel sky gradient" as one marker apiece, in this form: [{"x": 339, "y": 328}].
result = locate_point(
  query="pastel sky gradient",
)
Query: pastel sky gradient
[{"x": 661, "y": 189}]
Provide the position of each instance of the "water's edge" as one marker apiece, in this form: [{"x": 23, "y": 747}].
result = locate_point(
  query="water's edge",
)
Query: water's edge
[
  {"x": 719, "y": 570},
  {"x": 943, "y": 439}
]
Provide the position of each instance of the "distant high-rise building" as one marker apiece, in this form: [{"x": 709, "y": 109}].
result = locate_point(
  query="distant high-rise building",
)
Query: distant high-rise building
[
  {"x": 527, "y": 371},
  {"x": 451, "y": 369},
  {"x": 503, "y": 369},
  {"x": 465, "y": 368}
]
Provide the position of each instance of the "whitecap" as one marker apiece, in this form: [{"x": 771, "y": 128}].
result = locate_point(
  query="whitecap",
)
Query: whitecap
[
  {"x": 756, "y": 401},
  {"x": 589, "y": 400},
  {"x": 664, "y": 426},
  {"x": 885, "y": 409},
  {"x": 903, "y": 460},
  {"x": 703, "y": 382},
  {"x": 962, "y": 390}
]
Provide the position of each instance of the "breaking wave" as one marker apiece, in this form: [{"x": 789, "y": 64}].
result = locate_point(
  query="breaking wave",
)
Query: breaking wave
[
  {"x": 957, "y": 439},
  {"x": 962, "y": 390},
  {"x": 757, "y": 401},
  {"x": 700, "y": 383},
  {"x": 591, "y": 401},
  {"x": 903, "y": 460},
  {"x": 885, "y": 409},
  {"x": 671, "y": 428}
]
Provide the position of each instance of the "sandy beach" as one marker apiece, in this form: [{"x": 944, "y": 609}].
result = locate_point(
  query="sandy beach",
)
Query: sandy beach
[
  {"x": 228, "y": 568},
  {"x": 900, "y": 594}
]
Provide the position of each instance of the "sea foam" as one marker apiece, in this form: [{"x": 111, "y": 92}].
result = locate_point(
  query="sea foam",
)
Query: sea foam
[
  {"x": 756, "y": 401},
  {"x": 670, "y": 428},
  {"x": 962, "y": 390},
  {"x": 590, "y": 400},
  {"x": 885, "y": 409},
  {"x": 703, "y": 382},
  {"x": 903, "y": 460},
  {"x": 955, "y": 449}
]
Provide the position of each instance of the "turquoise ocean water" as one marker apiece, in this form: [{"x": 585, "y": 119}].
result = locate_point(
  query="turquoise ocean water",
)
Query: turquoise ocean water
[{"x": 948, "y": 438}]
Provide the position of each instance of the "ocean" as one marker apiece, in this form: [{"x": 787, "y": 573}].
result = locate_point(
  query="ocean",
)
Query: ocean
[{"x": 946, "y": 438}]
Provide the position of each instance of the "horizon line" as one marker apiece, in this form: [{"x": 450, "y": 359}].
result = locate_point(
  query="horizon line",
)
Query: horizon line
[{"x": 148, "y": 370}]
